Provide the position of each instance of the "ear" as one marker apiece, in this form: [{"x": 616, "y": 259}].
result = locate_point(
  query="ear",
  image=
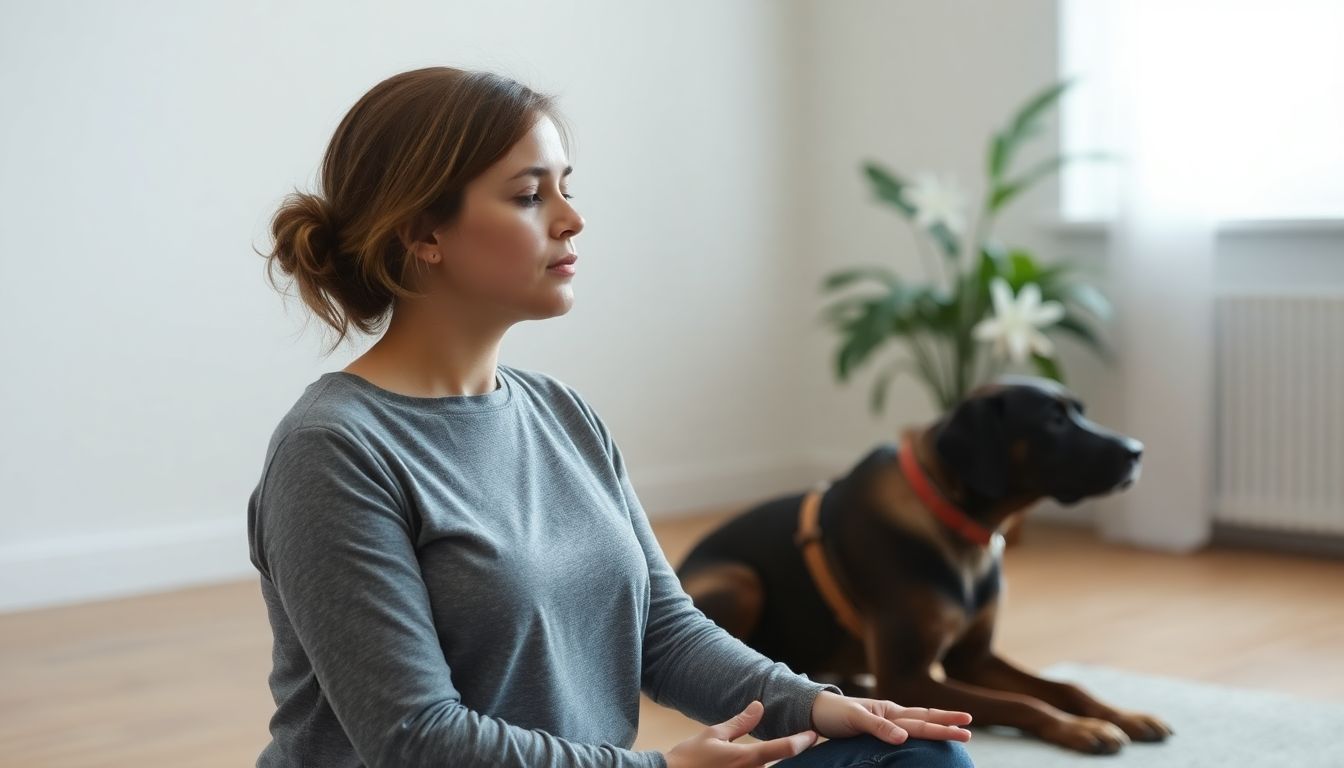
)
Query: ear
[
  {"x": 416, "y": 235},
  {"x": 973, "y": 446}
]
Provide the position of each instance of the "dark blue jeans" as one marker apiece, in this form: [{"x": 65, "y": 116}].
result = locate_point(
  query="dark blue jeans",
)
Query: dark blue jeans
[{"x": 867, "y": 751}]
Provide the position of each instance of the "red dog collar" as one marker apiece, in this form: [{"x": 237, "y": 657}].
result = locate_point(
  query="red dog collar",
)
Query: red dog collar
[{"x": 949, "y": 514}]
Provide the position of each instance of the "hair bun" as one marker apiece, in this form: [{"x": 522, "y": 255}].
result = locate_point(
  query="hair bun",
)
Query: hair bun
[
  {"x": 305, "y": 234},
  {"x": 322, "y": 235}
]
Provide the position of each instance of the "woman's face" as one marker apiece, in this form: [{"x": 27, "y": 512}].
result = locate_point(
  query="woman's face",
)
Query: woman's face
[{"x": 515, "y": 221}]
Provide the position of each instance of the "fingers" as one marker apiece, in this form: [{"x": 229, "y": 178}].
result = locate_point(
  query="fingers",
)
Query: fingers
[
  {"x": 888, "y": 731},
  {"x": 921, "y": 729},
  {"x": 944, "y": 716},
  {"x": 922, "y": 723},
  {"x": 739, "y": 724},
  {"x": 787, "y": 746}
]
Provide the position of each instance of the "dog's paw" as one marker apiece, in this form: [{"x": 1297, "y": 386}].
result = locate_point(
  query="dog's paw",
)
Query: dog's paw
[
  {"x": 1086, "y": 734},
  {"x": 1141, "y": 727}
]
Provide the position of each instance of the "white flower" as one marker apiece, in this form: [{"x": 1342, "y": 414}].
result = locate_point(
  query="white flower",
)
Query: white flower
[
  {"x": 1015, "y": 322},
  {"x": 935, "y": 200}
]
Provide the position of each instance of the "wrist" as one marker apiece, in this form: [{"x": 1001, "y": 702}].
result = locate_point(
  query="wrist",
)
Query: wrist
[{"x": 812, "y": 711}]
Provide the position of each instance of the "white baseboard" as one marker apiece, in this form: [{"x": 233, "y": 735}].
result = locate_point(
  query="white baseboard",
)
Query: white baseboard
[{"x": 104, "y": 566}]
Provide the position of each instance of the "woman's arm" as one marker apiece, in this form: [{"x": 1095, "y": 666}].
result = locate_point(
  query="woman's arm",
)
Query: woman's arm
[
  {"x": 330, "y": 536},
  {"x": 694, "y": 665}
]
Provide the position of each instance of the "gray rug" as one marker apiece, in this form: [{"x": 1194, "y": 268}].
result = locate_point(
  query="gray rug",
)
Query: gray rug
[{"x": 1216, "y": 727}]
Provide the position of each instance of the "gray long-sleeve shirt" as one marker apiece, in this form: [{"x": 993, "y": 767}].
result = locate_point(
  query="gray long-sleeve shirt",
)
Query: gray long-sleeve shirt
[{"x": 471, "y": 581}]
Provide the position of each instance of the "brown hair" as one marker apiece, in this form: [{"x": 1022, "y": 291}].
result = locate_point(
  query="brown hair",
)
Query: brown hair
[{"x": 396, "y": 169}]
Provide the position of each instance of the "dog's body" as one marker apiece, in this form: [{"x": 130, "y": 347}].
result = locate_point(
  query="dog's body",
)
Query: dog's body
[{"x": 923, "y": 593}]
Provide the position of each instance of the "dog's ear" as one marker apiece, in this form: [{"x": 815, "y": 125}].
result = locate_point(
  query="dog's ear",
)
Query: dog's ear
[{"x": 972, "y": 443}]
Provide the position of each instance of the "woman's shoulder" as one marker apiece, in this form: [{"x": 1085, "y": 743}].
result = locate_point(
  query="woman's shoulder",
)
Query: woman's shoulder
[
  {"x": 551, "y": 394},
  {"x": 537, "y": 380},
  {"x": 324, "y": 404},
  {"x": 546, "y": 387}
]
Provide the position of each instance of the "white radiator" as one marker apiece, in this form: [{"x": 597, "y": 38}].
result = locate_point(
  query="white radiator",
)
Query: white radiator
[{"x": 1279, "y": 412}]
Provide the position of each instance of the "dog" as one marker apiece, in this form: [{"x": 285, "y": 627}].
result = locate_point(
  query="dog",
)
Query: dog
[{"x": 891, "y": 572}]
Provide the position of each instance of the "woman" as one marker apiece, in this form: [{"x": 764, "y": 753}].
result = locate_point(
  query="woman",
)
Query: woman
[{"x": 455, "y": 566}]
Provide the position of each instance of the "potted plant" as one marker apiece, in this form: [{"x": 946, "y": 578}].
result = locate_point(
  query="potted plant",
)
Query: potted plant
[{"x": 984, "y": 306}]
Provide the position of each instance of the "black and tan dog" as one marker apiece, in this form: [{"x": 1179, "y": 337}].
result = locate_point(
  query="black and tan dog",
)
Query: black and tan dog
[{"x": 892, "y": 571}]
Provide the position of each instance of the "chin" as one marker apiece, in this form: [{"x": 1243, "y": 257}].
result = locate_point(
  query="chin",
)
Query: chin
[{"x": 561, "y": 306}]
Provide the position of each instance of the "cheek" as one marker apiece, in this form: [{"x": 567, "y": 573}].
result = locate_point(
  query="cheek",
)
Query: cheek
[
  {"x": 511, "y": 237},
  {"x": 501, "y": 244}
]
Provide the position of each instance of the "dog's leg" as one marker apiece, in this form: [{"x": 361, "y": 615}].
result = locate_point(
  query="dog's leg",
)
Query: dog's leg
[
  {"x": 972, "y": 660},
  {"x": 730, "y": 594},
  {"x": 993, "y": 671},
  {"x": 902, "y": 653},
  {"x": 991, "y": 707}
]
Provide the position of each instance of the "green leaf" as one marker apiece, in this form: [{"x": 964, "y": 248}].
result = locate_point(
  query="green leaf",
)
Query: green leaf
[
  {"x": 935, "y": 312},
  {"x": 1048, "y": 367},
  {"x": 851, "y": 353},
  {"x": 880, "y": 319},
  {"x": 1085, "y": 334},
  {"x": 888, "y": 187},
  {"x": 1022, "y": 269},
  {"x": 998, "y": 149},
  {"x": 1023, "y": 124},
  {"x": 946, "y": 240},
  {"x": 881, "y": 274},
  {"x": 842, "y": 312},
  {"x": 1087, "y": 297}
]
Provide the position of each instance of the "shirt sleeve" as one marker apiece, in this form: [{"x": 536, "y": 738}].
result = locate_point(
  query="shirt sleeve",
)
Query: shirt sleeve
[
  {"x": 334, "y": 541},
  {"x": 692, "y": 664}
]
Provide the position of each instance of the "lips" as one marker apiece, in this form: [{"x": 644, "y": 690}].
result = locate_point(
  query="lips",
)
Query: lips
[{"x": 570, "y": 259}]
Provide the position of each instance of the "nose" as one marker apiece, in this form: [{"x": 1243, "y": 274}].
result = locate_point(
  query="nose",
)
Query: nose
[
  {"x": 1134, "y": 448},
  {"x": 573, "y": 223}
]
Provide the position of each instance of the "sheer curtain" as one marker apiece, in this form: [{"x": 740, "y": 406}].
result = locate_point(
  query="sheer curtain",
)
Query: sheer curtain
[{"x": 1218, "y": 110}]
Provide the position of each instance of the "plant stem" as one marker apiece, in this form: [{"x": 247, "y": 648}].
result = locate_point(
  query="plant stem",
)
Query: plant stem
[
  {"x": 930, "y": 371},
  {"x": 938, "y": 274},
  {"x": 971, "y": 254},
  {"x": 963, "y": 338}
]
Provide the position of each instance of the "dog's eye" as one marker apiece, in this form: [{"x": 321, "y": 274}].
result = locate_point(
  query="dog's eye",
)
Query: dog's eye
[{"x": 1059, "y": 418}]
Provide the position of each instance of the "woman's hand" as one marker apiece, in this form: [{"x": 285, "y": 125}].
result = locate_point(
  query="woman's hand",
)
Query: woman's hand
[
  {"x": 836, "y": 716},
  {"x": 714, "y": 748}
]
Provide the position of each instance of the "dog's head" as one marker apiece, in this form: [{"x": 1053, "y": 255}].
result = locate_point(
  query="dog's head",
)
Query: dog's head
[{"x": 1026, "y": 437}]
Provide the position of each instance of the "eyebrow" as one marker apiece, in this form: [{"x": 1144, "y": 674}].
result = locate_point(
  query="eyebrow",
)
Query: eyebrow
[{"x": 539, "y": 172}]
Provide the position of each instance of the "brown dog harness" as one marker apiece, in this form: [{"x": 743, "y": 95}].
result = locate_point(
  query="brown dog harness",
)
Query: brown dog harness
[{"x": 809, "y": 540}]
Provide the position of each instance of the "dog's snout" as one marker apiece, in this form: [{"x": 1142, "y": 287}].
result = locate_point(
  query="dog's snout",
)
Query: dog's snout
[{"x": 1134, "y": 448}]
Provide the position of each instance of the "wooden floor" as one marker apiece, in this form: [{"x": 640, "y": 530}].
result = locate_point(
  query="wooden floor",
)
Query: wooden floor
[{"x": 180, "y": 678}]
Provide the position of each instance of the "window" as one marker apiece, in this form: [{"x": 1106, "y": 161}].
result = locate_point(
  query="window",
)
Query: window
[{"x": 1253, "y": 89}]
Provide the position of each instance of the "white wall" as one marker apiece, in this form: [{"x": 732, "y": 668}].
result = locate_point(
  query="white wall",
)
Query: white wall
[{"x": 144, "y": 147}]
